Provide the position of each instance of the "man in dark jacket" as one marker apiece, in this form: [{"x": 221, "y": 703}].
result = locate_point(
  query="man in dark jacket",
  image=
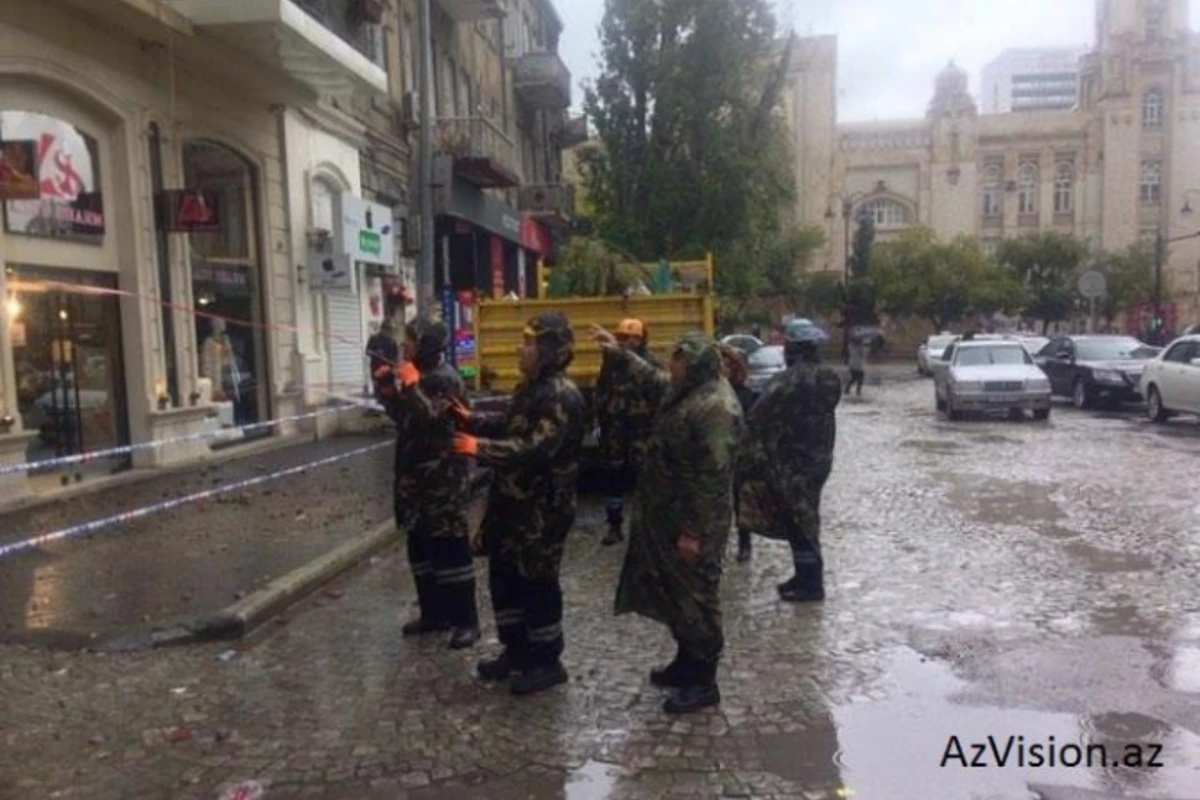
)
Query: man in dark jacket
[
  {"x": 433, "y": 487},
  {"x": 625, "y": 413},
  {"x": 533, "y": 450},
  {"x": 384, "y": 354},
  {"x": 785, "y": 459},
  {"x": 683, "y": 508}
]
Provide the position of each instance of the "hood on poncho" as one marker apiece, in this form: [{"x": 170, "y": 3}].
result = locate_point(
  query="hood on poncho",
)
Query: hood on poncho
[
  {"x": 432, "y": 339},
  {"x": 703, "y": 363},
  {"x": 555, "y": 340}
]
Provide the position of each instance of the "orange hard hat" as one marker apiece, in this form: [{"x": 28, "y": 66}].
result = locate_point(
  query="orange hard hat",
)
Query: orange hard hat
[{"x": 631, "y": 327}]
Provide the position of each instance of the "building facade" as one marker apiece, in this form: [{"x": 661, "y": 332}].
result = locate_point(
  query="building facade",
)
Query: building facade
[
  {"x": 1122, "y": 166},
  {"x": 1031, "y": 79}
]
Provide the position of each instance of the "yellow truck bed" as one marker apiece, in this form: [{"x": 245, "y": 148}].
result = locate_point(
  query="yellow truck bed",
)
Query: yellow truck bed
[{"x": 499, "y": 325}]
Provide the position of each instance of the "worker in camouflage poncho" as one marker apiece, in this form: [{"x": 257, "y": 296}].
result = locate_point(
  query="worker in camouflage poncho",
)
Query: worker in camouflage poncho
[
  {"x": 432, "y": 484},
  {"x": 785, "y": 459},
  {"x": 533, "y": 450},
  {"x": 625, "y": 411},
  {"x": 681, "y": 515}
]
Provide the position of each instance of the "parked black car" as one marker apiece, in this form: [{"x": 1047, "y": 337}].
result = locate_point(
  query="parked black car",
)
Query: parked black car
[{"x": 1090, "y": 368}]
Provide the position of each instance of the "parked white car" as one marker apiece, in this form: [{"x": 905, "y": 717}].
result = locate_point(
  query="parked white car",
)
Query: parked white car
[
  {"x": 991, "y": 375},
  {"x": 931, "y": 350},
  {"x": 1171, "y": 381}
]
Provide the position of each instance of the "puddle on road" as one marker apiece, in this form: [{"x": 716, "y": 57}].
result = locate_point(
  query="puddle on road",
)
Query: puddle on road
[
  {"x": 933, "y": 446},
  {"x": 994, "y": 438},
  {"x": 993, "y": 500},
  {"x": 1097, "y": 559},
  {"x": 1180, "y": 671},
  {"x": 592, "y": 781},
  {"x": 904, "y": 741}
]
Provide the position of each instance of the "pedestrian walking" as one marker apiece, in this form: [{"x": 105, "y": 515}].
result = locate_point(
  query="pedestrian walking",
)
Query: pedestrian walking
[
  {"x": 737, "y": 372},
  {"x": 786, "y": 457},
  {"x": 533, "y": 450},
  {"x": 683, "y": 509},
  {"x": 855, "y": 359},
  {"x": 625, "y": 413},
  {"x": 433, "y": 487}
]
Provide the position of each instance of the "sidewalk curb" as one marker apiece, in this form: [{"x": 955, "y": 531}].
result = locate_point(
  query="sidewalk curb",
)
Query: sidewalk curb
[{"x": 240, "y": 618}]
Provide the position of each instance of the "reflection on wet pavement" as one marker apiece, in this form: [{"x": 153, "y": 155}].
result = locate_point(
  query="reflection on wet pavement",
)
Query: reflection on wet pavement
[{"x": 990, "y": 579}]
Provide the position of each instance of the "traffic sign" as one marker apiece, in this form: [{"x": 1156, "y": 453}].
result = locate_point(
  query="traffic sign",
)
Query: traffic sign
[{"x": 1092, "y": 285}]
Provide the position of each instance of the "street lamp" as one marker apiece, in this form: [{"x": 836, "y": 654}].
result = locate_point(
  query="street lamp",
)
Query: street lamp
[
  {"x": 1160, "y": 251},
  {"x": 847, "y": 207}
]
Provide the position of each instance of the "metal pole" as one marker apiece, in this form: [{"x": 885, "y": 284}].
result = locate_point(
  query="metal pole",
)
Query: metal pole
[
  {"x": 1159, "y": 248},
  {"x": 425, "y": 158},
  {"x": 847, "y": 206}
]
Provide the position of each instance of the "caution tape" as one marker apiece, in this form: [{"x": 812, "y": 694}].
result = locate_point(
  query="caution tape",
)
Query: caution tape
[
  {"x": 98, "y": 455},
  {"x": 85, "y": 528}
]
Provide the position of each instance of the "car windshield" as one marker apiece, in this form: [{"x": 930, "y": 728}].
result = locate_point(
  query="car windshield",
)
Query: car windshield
[
  {"x": 1123, "y": 349},
  {"x": 1034, "y": 343},
  {"x": 1000, "y": 354},
  {"x": 939, "y": 342},
  {"x": 766, "y": 357}
]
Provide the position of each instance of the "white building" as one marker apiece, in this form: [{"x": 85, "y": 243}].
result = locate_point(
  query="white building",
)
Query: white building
[{"x": 1031, "y": 79}]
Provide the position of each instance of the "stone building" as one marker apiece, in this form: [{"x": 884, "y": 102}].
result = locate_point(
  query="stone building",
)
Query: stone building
[{"x": 1122, "y": 166}]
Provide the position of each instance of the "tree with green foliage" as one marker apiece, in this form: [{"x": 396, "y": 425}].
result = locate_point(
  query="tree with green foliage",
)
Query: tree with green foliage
[
  {"x": 1129, "y": 279},
  {"x": 1048, "y": 264},
  {"x": 693, "y": 151},
  {"x": 590, "y": 268},
  {"x": 916, "y": 275}
]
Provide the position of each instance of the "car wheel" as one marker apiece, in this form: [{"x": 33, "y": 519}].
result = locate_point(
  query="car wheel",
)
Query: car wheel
[
  {"x": 938, "y": 402},
  {"x": 1080, "y": 396},
  {"x": 1154, "y": 406},
  {"x": 1016, "y": 414},
  {"x": 952, "y": 413},
  {"x": 1041, "y": 414}
]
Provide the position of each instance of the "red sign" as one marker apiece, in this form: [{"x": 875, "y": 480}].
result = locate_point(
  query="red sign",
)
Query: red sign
[
  {"x": 497, "y": 267},
  {"x": 187, "y": 211},
  {"x": 534, "y": 236},
  {"x": 19, "y": 170}
]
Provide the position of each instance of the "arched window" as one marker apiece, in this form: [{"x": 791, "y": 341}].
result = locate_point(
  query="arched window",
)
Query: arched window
[
  {"x": 1152, "y": 109},
  {"x": 885, "y": 212},
  {"x": 1064, "y": 188},
  {"x": 1027, "y": 189},
  {"x": 993, "y": 191},
  {"x": 1151, "y": 182}
]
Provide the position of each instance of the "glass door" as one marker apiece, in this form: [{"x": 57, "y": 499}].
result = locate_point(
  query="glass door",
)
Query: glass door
[{"x": 70, "y": 371}]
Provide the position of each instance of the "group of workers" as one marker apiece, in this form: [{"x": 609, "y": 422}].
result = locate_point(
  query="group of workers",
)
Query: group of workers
[{"x": 693, "y": 444}]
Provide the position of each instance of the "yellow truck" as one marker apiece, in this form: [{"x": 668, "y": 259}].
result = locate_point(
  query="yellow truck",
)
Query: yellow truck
[{"x": 499, "y": 324}]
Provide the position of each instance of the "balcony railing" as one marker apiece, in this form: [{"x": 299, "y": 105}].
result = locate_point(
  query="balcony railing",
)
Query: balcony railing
[
  {"x": 543, "y": 81},
  {"x": 482, "y": 153},
  {"x": 346, "y": 20},
  {"x": 551, "y": 202}
]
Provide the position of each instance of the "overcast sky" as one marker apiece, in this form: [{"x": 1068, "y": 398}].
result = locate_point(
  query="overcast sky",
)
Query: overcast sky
[{"x": 890, "y": 51}]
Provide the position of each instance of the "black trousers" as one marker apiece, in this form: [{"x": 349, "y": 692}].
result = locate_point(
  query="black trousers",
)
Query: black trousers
[
  {"x": 856, "y": 378},
  {"x": 621, "y": 480},
  {"x": 528, "y": 614},
  {"x": 444, "y": 572}
]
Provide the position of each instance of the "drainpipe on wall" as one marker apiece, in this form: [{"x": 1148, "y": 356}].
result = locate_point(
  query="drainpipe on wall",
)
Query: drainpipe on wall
[{"x": 297, "y": 286}]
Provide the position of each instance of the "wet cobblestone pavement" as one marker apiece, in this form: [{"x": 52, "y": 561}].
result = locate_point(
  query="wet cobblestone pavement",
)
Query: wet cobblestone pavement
[{"x": 985, "y": 579}]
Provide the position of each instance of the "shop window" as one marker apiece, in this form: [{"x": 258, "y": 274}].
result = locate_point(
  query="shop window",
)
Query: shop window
[
  {"x": 66, "y": 161},
  {"x": 226, "y": 286}
]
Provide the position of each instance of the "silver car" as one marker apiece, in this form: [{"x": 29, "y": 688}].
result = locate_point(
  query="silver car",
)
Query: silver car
[
  {"x": 931, "y": 351},
  {"x": 991, "y": 375}
]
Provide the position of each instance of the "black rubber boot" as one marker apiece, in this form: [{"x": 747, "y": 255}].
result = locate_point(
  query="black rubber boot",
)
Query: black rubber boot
[
  {"x": 673, "y": 675},
  {"x": 539, "y": 679},
  {"x": 807, "y": 587},
  {"x": 460, "y": 600},
  {"x": 701, "y": 691},
  {"x": 421, "y": 626},
  {"x": 462, "y": 638},
  {"x": 431, "y": 620},
  {"x": 499, "y": 668},
  {"x": 614, "y": 536},
  {"x": 744, "y": 547}
]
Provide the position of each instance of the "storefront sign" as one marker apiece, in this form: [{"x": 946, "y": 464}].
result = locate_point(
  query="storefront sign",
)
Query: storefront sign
[
  {"x": 464, "y": 334},
  {"x": 448, "y": 316},
  {"x": 66, "y": 162},
  {"x": 497, "y": 254},
  {"x": 366, "y": 233},
  {"x": 463, "y": 200},
  {"x": 334, "y": 272},
  {"x": 19, "y": 170},
  {"x": 187, "y": 211},
  {"x": 534, "y": 236}
]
